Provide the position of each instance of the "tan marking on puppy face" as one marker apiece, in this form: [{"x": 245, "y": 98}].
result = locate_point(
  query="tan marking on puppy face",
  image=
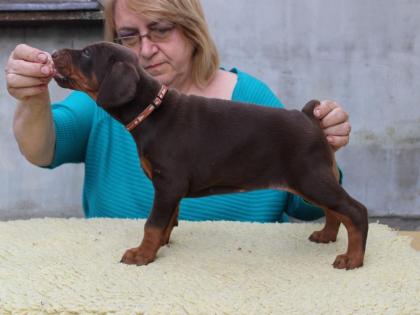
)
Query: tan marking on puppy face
[{"x": 69, "y": 72}]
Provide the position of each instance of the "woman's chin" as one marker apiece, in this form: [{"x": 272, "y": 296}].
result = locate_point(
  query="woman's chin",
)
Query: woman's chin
[{"x": 162, "y": 78}]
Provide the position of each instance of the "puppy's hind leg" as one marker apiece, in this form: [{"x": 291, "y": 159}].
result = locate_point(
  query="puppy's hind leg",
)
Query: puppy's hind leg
[
  {"x": 321, "y": 188},
  {"x": 330, "y": 230},
  {"x": 357, "y": 229}
]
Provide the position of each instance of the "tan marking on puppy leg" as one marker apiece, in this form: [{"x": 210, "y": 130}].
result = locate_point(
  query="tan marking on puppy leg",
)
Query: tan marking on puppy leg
[
  {"x": 330, "y": 230},
  {"x": 146, "y": 252},
  {"x": 354, "y": 256}
]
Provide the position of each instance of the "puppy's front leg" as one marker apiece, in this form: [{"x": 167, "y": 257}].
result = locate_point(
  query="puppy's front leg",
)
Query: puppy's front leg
[
  {"x": 163, "y": 218},
  {"x": 173, "y": 223}
]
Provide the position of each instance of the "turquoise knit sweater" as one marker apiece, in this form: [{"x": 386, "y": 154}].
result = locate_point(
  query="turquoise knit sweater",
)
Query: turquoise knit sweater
[{"x": 115, "y": 185}]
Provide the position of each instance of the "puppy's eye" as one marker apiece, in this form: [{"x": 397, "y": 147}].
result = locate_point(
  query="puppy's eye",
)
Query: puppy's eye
[{"x": 86, "y": 52}]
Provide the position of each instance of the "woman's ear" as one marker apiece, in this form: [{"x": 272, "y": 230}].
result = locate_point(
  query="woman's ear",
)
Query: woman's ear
[{"x": 119, "y": 85}]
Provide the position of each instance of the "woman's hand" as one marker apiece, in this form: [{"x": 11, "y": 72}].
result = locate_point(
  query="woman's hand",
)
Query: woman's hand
[
  {"x": 28, "y": 72},
  {"x": 335, "y": 123}
]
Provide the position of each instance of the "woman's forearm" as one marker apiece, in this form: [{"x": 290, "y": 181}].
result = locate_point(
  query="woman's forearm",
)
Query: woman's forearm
[{"x": 34, "y": 131}]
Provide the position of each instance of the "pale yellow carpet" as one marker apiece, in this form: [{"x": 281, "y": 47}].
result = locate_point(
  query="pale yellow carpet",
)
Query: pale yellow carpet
[{"x": 72, "y": 267}]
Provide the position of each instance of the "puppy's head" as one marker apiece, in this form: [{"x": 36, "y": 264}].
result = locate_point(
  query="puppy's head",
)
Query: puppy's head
[{"x": 108, "y": 72}]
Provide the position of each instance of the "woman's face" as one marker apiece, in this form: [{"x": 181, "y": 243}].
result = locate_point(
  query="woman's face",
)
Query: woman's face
[{"x": 167, "y": 56}]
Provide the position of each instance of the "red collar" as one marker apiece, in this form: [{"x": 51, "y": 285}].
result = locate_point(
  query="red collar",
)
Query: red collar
[{"x": 149, "y": 109}]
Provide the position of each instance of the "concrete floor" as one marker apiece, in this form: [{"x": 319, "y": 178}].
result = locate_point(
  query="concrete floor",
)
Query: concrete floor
[{"x": 399, "y": 223}]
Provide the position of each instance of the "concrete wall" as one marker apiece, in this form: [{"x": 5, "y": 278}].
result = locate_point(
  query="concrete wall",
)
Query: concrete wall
[{"x": 363, "y": 54}]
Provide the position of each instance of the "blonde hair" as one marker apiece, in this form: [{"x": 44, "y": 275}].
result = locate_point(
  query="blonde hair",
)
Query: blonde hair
[{"x": 186, "y": 14}]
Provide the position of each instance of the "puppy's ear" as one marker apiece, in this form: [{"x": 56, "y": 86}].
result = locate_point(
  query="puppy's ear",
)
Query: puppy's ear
[{"x": 119, "y": 85}]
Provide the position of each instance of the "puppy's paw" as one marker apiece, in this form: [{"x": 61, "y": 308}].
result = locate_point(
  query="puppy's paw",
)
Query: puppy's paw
[
  {"x": 323, "y": 237},
  {"x": 138, "y": 256},
  {"x": 346, "y": 261}
]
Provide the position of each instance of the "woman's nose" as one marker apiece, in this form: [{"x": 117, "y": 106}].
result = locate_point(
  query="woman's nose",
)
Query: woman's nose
[{"x": 147, "y": 48}]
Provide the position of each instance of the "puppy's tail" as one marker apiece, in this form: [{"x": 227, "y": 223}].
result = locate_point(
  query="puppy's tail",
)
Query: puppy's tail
[{"x": 308, "y": 110}]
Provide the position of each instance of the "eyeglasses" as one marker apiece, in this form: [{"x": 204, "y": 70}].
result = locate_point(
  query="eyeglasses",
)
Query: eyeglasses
[{"x": 157, "y": 33}]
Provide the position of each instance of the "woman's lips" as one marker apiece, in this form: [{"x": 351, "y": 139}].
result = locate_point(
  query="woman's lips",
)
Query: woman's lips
[
  {"x": 155, "y": 69},
  {"x": 154, "y": 66}
]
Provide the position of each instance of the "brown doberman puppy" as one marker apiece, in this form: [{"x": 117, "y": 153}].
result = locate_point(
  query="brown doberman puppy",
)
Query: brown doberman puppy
[{"x": 192, "y": 146}]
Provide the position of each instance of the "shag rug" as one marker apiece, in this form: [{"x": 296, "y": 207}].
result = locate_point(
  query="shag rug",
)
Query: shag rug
[{"x": 71, "y": 266}]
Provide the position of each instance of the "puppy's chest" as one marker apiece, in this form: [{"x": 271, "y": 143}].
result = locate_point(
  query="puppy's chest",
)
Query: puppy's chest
[{"x": 151, "y": 163}]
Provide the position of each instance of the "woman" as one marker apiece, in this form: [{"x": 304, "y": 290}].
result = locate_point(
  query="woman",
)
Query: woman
[{"x": 173, "y": 44}]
